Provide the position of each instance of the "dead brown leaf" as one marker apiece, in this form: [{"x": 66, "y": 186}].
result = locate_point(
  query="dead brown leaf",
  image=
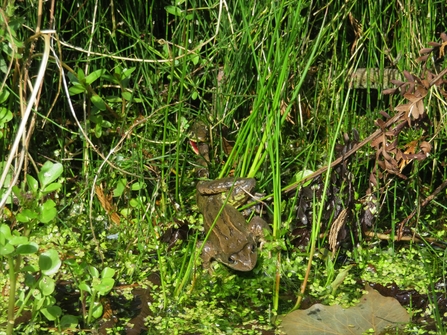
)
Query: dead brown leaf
[{"x": 374, "y": 311}]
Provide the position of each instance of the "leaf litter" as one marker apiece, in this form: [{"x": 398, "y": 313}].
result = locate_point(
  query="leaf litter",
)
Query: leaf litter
[{"x": 373, "y": 312}]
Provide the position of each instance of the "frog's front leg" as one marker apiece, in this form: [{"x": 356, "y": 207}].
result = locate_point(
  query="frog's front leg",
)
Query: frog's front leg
[
  {"x": 208, "y": 253},
  {"x": 257, "y": 226}
]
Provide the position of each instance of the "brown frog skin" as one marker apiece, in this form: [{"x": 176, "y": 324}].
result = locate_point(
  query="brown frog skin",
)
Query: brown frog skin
[{"x": 231, "y": 241}]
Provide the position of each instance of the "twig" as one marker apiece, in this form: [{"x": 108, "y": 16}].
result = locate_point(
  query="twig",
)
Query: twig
[
  {"x": 320, "y": 171},
  {"x": 43, "y": 65}
]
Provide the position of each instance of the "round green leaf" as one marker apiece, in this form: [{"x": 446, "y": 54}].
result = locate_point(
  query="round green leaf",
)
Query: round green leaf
[
  {"x": 97, "y": 310},
  {"x": 137, "y": 186},
  {"x": 17, "y": 240},
  {"x": 6, "y": 249},
  {"x": 52, "y": 312},
  {"x": 47, "y": 211},
  {"x": 46, "y": 285},
  {"x": 26, "y": 215},
  {"x": 69, "y": 321},
  {"x": 5, "y": 233},
  {"x": 49, "y": 173},
  {"x": 27, "y": 248},
  {"x": 107, "y": 273},
  {"x": 105, "y": 286},
  {"x": 49, "y": 262}
]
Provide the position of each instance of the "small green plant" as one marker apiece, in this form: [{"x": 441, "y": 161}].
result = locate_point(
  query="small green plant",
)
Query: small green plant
[
  {"x": 34, "y": 208},
  {"x": 92, "y": 286}
]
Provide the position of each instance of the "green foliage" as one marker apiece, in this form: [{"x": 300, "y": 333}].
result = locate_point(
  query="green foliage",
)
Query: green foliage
[
  {"x": 270, "y": 80},
  {"x": 14, "y": 245}
]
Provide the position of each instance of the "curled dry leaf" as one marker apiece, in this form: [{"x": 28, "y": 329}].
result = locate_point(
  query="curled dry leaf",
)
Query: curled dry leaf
[
  {"x": 425, "y": 51},
  {"x": 425, "y": 147},
  {"x": 423, "y": 58}
]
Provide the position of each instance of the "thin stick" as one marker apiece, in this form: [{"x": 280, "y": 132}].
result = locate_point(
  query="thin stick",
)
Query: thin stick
[
  {"x": 15, "y": 146},
  {"x": 320, "y": 171}
]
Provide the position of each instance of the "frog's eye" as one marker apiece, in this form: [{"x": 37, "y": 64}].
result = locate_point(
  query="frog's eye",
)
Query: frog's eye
[
  {"x": 252, "y": 247},
  {"x": 231, "y": 260}
]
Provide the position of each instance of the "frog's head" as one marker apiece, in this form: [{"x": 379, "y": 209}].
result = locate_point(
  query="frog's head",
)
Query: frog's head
[{"x": 244, "y": 260}]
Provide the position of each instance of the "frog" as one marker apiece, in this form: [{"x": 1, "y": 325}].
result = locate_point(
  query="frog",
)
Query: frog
[{"x": 231, "y": 241}]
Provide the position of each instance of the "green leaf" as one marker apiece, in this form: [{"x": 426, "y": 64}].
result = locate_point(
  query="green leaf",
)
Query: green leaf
[
  {"x": 72, "y": 77},
  {"x": 128, "y": 72},
  {"x": 27, "y": 248},
  {"x": 98, "y": 130},
  {"x": 174, "y": 10},
  {"x": 30, "y": 280},
  {"x": 49, "y": 262},
  {"x": 4, "y": 95},
  {"x": 107, "y": 272},
  {"x": 106, "y": 124},
  {"x": 49, "y": 173},
  {"x": 303, "y": 174},
  {"x": 52, "y": 312},
  {"x": 5, "y": 232},
  {"x": 98, "y": 102},
  {"x": 17, "y": 240},
  {"x": 120, "y": 187},
  {"x": 30, "y": 268},
  {"x": 93, "y": 271},
  {"x": 113, "y": 99},
  {"x": 69, "y": 322},
  {"x": 134, "y": 203},
  {"x": 51, "y": 188},
  {"x": 105, "y": 286},
  {"x": 47, "y": 211},
  {"x": 127, "y": 96},
  {"x": 5, "y": 116},
  {"x": 137, "y": 186},
  {"x": 81, "y": 76},
  {"x": 38, "y": 296},
  {"x": 194, "y": 95},
  {"x": 76, "y": 89},
  {"x": 26, "y": 215},
  {"x": 83, "y": 286},
  {"x": 113, "y": 79},
  {"x": 46, "y": 285},
  {"x": 17, "y": 192},
  {"x": 3, "y": 65},
  {"x": 97, "y": 310},
  {"x": 32, "y": 183},
  {"x": 94, "y": 76},
  {"x": 6, "y": 249}
]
